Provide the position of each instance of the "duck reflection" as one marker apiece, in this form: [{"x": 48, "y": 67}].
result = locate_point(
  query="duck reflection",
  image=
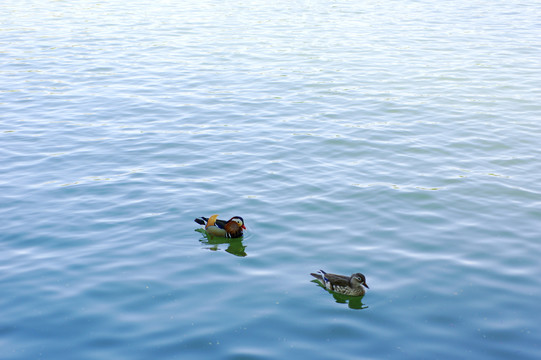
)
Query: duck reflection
[
  {"x": 234, "y": 246},
  {"x": 353, "y": 302}
]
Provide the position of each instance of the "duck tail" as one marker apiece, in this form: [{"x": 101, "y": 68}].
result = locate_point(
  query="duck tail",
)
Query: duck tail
[
  {"x": 200, "y": 221},
  {"x": 317, "y": 276}
]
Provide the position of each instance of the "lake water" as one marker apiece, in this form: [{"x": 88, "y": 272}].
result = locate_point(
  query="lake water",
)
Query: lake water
[{"x": 399, "y": 139}]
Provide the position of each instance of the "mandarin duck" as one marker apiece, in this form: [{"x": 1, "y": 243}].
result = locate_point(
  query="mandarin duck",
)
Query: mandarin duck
[
  {"x": 221, "y": 228},
  {"x": 347, "y": 285}
]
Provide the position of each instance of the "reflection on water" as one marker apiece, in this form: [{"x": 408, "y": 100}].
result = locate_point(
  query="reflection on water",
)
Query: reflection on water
[
  {"x": 354, "y": 302},
  {"x": 234, "y": 246}
]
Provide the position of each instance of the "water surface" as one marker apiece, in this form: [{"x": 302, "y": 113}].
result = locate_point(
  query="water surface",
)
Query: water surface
[{"x": 397, "y": 139}]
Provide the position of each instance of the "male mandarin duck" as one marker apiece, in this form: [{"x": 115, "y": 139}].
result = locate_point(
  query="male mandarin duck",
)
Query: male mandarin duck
[
  {"x": 347, "y": 285},
  {"x": 227, "y": 229}
]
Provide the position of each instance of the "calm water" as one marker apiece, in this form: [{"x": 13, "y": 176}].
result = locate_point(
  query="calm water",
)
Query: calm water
[{"x": 399, "y": 139}]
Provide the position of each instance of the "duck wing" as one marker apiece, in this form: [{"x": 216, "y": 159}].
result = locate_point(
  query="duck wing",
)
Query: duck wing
[
  {"x": 204, "y": 220},
  {"x": 221, "y": 223},
  {"x": 337, "y": 280}
]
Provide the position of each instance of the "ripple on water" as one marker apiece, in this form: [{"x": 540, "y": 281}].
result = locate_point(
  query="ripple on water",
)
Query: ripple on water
[{"x": 348, "y": 143}]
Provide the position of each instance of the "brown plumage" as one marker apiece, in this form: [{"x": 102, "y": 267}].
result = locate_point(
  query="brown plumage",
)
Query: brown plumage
[
  {"x": 347, "y": 285},
  {"x": 231, "y": 228}
]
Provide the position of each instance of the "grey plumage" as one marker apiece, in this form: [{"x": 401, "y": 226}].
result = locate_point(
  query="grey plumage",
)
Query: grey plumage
[{"x": 348, "y": 285}]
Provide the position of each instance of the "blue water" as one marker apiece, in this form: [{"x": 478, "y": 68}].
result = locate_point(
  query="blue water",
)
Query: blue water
[{"x": 399, "y": 139}]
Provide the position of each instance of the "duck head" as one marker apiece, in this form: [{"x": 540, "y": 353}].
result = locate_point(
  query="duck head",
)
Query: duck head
[
  {"x": 239, "y": 221},
  {"x": 358, "y": 279}
]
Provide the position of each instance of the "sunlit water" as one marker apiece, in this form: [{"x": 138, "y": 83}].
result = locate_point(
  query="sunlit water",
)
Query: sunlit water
[{"x": 399, "y": 139}]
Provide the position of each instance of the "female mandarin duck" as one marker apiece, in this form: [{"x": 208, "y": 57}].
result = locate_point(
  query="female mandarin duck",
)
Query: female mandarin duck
[
  {"x": 347, "y": 285},
  {"x": 227, "y": 229}
]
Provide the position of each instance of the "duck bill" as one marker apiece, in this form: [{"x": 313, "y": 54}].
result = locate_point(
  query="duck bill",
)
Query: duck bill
[
  {"x": 244, "y": 227},
  {"x": 366, "y": 286}
]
